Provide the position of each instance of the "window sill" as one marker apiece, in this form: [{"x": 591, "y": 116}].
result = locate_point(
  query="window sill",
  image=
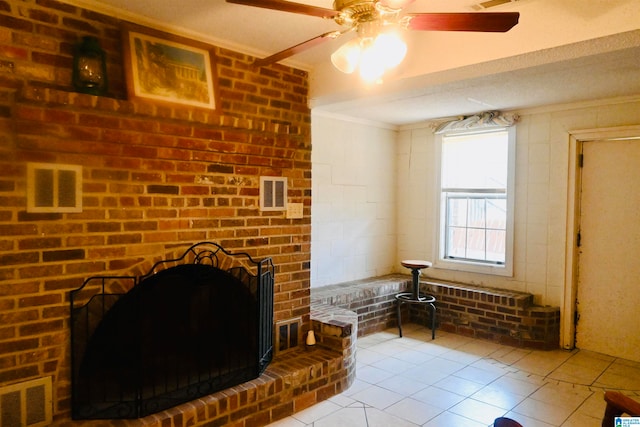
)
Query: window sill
[{"x": 505, "y": 270}]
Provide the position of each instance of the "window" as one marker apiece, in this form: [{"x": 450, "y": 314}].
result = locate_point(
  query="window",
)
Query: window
[{"x": 476, "y": 201}]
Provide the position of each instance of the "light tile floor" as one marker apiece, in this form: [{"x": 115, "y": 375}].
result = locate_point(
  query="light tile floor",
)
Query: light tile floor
[{"x": 456, "y": 381}]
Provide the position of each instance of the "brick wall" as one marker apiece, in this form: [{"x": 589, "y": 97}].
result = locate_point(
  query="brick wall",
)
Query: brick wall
[
  {"x": 154, "y": 177},
  {"x": 373, "y": 300},
  {"x": 506, "y": 317},
  {"x": 502, "y": 316}
]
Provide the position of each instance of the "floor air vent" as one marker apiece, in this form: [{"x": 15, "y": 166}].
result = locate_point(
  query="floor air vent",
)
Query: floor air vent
[{"x": 26, "y": 404}]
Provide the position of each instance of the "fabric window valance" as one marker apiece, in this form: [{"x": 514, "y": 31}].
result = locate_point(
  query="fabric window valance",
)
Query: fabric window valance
[{"x": 486, "y": 119}]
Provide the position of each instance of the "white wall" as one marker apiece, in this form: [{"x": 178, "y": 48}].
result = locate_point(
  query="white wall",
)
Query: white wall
[
  {"x": 353, "y": 211},
  {"x": 373, "y": 197},
  {"x": 542, "y": 169}
]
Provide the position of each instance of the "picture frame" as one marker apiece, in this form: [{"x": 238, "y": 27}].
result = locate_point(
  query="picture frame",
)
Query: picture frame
[{"x": 167, "y": 68}]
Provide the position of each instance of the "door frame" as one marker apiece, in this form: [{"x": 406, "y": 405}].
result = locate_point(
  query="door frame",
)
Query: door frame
[{"x": 576, "y": 140}]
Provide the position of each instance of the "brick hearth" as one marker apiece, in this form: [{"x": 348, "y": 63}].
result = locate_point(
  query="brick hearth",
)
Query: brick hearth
[{"x": 293, "y": 382}]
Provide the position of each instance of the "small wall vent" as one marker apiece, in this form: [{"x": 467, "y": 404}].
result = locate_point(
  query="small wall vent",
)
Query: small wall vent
[
  {"x": 26, "y": 404},
  {"x": 54, "y": 188},
  {"x": 273, "y": 193}
]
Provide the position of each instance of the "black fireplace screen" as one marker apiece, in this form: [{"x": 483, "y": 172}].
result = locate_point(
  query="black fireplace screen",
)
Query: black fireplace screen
[{"x": 190, "y": 327}]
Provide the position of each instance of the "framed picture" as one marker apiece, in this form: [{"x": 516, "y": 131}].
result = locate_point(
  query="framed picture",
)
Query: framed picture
[{"x": 167, "y": 68}]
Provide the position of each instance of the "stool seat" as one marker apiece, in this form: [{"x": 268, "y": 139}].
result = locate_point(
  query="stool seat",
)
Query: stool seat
[
  {"x": 415, "y": 297},
  {"x": 415, "y": 263}
]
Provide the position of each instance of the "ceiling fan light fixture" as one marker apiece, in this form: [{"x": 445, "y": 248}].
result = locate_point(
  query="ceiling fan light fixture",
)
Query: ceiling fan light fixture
[
  {"x": 372, "y": 55},
  {"x": 372, "y": 68},
  {"x": 372, "y": 62},
  {"x": 387, "y": 51},
  {"x": 347, "y": 57},
  {"x": 391, "y": 47},
  {"x": 396, "y": 4}
]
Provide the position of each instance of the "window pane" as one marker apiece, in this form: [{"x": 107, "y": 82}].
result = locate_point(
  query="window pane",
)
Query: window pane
[
  {"x": 477, "y": 213},
  {"x": 475, "y": 160},
  {"x": 497, "y": 214},
  {"x": 496, "y": 245},
  {"x": 475, "y": 244},
  {"x": 476, "y": 227},
  {"x": 457, "y": 211},
  {"x": 457, "y": 242}
]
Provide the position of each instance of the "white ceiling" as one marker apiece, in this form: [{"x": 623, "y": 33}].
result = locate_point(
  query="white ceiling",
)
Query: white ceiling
[{"x": 561, "y": 51}]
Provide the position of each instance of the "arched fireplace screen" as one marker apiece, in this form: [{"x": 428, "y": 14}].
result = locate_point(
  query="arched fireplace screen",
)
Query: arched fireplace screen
[{"x": 190, "y": 327}]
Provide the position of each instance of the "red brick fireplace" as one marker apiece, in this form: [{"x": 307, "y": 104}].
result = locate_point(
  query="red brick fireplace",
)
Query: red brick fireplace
[{"x": 155, "y": 176}]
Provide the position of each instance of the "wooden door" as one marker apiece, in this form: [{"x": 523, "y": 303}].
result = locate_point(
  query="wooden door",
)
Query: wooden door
[{"x": 608, "y": 294}]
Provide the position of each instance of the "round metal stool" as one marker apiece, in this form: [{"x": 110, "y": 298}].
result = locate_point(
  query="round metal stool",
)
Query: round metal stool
[{"x": 415, "y": 297}]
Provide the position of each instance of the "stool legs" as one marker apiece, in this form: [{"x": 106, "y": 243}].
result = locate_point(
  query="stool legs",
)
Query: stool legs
[
  {"x": 433, "y": 320},
  {"x": 432, "y": 308},
  {"x": 399, "y": 305},
  {"x": 414, "y": 296}
]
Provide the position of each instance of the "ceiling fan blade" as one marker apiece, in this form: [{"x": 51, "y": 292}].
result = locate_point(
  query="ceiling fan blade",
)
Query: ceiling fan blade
[
  {"x": 499, "y": 22},
  {"x": 276, "y": 57},
  {"x": 287, "y": 6}
]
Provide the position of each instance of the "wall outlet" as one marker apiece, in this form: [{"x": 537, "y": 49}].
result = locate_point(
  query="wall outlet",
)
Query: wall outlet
[{"x": 294, "y": 210}]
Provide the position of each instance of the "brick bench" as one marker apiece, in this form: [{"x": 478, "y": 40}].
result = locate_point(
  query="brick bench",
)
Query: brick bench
[
  {"x": 373, "y": 300},
  {"x": 502, "y": 316}
]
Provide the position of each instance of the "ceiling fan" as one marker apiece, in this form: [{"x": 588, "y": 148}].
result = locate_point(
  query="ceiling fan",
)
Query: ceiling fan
[{"x": 378, "y": 23}]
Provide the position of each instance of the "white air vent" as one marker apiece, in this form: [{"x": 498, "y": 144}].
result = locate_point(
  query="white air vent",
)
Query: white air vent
[
  {"x": 54, "y": 188},
  {"x": 273, "y": 193},
  {"x": 26, "y": 404},
  {"x": 491, "y": 3}
]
